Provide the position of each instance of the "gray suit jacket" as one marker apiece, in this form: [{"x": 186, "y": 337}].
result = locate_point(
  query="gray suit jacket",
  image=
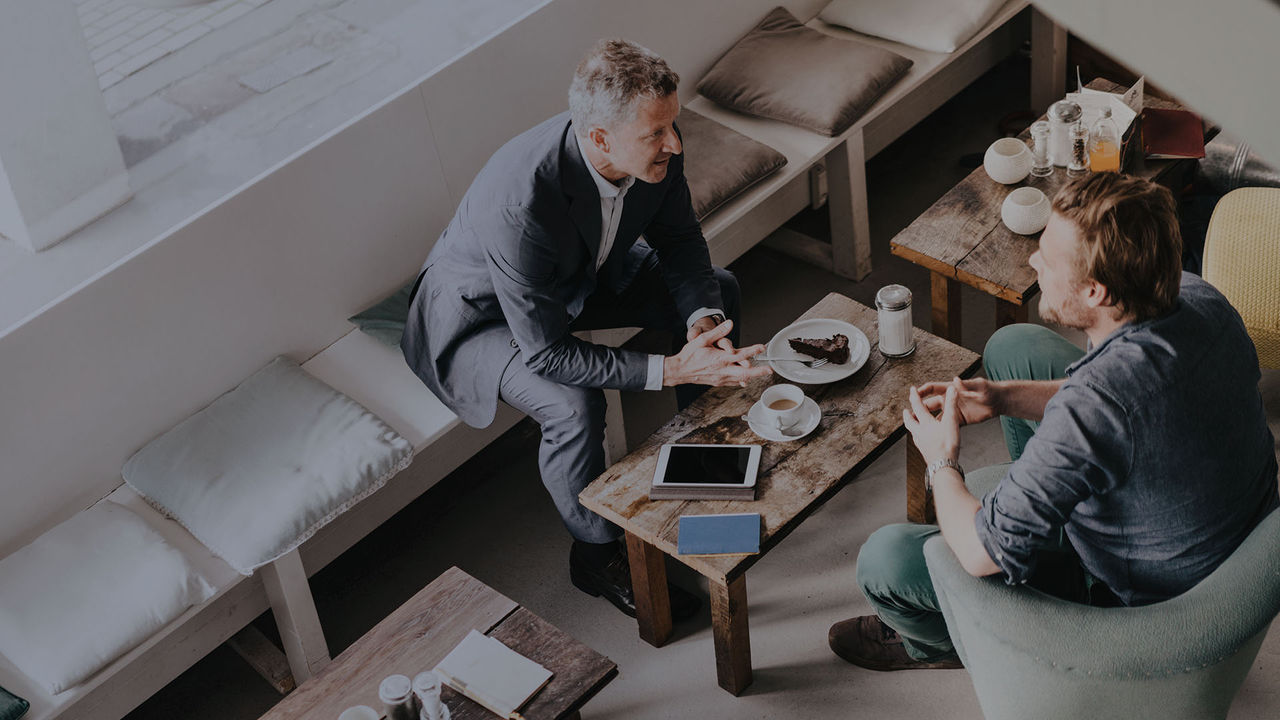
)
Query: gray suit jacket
[{"x": 518, "y": 260}]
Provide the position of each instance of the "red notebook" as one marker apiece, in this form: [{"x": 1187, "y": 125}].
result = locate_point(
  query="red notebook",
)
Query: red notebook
[{"x": 1172, "y": 134}]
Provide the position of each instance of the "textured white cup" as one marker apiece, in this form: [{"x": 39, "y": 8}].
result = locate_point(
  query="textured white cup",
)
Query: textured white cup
[
  {"x": 1007, "y": 161},
  {"x": 782, "y": 419},
  {"x": 360, "y": 712},
  {"x": 1025, "y": 211}
]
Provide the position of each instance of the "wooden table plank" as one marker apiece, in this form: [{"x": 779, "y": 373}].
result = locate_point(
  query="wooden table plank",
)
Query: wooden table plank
[
  {"x": 862, "y": 417},
  {"x": 579, "y": 671}
]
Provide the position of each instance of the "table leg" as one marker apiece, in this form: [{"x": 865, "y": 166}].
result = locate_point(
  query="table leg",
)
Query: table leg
[
  {"x": 945, "y": 299},
  {"x": 732, "y": 636},
  {"x": 919, "y": 509},
  {"x": 649, "y": 584},
  {"x": 1008, "y": 313}
]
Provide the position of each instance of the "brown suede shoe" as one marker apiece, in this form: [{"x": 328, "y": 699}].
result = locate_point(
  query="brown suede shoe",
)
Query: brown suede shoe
[{"x": 867, "y": 642}]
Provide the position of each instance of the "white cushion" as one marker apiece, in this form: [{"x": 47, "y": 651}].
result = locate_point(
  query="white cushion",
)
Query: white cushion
[
  {"x": 263, "y": 467},
  {"x": 934, "y": 25},
  {"x": 88, "y": 591}
]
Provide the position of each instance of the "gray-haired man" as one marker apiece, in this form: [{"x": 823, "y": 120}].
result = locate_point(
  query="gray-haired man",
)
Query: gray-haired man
[{"x": 546, "y": 242}]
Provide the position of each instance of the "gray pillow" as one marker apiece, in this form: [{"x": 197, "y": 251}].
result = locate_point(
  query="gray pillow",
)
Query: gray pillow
[
  {"x": 385, "y": 321},
  {"x": 720, "y": 162},
  {"x": 263, "y": 467},
  {"x": 785, "y": 71}
]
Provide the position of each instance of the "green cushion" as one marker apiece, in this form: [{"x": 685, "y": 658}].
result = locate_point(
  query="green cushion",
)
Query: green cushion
[
  {"x": 12, "y": 707},
  {"x": 385, "y": 321}
]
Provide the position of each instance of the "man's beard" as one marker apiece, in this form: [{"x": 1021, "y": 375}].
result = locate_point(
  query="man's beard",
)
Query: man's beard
[{"x": 1072, "y": 314}]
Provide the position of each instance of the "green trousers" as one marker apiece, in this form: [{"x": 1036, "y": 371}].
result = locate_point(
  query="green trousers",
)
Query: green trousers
[{"x": 891, "y": 567}]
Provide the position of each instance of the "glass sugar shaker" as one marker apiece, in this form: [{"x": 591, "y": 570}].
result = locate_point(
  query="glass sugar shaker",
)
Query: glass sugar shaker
[
  {"x": 426, "y": 686},
  {"x": 893, "y": 310},
  {"x": 1062, "y": 115},
  {"x": 1041, "y": 165},
  {"x": 396, "y": 694}
]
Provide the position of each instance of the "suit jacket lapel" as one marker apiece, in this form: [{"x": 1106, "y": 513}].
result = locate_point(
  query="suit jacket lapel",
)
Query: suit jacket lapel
[{"x": 584, "y": 197}]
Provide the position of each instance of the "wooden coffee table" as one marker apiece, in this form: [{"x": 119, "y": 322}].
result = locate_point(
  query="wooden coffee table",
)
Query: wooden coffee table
[
  {"x": 961, "y": 239},
  {"x": 862, "y": 417},
  {"x": 422, "y": 631}
]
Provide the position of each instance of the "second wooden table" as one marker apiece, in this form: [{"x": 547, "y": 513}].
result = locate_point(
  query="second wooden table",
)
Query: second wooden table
[
  {"x": 961, "y": 239},
  {"x": 862, "y": 417}
]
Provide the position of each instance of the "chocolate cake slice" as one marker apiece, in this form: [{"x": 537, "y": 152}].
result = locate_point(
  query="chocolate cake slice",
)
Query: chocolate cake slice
[{"x": 835, "y": 349}]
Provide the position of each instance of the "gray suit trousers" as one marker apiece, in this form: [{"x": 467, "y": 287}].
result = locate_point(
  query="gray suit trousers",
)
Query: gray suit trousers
[{"x": 571, "y": 453}]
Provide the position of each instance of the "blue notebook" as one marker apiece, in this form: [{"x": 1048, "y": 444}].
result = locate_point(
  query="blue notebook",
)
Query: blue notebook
[{"x": 719, "y": 534}]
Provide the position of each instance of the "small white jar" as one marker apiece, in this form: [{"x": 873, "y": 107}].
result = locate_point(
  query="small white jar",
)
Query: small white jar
[
  {"x": 1007, "y": 161},
  {"x": 893, "y": 312},
  {"x": 1026, "y": 211}
]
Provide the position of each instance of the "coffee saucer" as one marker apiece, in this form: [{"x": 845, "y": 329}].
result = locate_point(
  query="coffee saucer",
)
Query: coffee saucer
[{"x": 810, "y": 416}]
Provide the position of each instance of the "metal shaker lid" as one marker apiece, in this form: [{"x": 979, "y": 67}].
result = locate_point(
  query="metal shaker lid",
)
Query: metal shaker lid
[
  {"x": 1064, "y": 111},
  {"x": 893, "y": 297}
]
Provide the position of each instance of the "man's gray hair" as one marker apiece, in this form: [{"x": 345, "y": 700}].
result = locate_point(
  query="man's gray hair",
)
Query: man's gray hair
[{"x": 613, "y": 77}]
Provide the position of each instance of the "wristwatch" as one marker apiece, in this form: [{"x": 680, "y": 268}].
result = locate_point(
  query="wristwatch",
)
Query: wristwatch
[
  {"x": 937, "y": 465},
  {"x": 717, "y": 318}
]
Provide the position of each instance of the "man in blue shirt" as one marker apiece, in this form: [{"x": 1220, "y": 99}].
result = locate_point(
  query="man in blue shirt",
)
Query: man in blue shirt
[{"x": 1138, "y": 466}]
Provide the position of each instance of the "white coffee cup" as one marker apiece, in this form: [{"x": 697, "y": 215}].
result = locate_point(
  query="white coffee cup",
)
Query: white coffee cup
[
  {"x": 360, "y": 712},
  {"x": 781, "y": 406}
]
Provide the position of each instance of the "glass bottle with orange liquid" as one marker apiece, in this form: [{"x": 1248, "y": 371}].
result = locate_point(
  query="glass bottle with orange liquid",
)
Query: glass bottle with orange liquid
[{"x": 1104, "y": 144}]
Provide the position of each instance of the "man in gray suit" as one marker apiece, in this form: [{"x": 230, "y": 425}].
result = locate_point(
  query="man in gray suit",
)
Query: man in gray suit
[{"x": 547, "y": 241}]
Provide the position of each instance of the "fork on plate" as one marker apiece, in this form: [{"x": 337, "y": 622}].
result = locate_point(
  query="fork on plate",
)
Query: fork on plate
[{"x": 807, "y": 363}]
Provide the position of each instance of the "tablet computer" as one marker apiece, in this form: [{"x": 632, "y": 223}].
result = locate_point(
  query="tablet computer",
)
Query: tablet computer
[{"x": 706, "y": 472}]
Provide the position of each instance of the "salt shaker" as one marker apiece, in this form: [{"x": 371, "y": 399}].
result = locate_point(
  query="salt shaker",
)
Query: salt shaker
[
  {"x": 396, "y": 694},
  {"x": 893, "y": 310},
  {"x": 1041, "y": 165},
  {"x": 1062, "y": 115},
  {"x": 426, "y": 686}
]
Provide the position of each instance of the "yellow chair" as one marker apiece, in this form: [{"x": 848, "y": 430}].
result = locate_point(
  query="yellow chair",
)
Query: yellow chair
[{"x": 1242, "y": 259}]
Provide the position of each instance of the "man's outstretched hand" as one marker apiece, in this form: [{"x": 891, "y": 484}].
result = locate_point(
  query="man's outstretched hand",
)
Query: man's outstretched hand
[{"x": 710, "y": 359}]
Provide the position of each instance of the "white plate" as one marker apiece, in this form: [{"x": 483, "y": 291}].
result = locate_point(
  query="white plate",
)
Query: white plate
[
  {"x": 812, "y": 415},
  {"x": 859, "y": 350}
]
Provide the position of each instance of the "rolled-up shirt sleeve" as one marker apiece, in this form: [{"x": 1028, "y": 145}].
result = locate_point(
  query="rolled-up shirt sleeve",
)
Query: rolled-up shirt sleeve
[{"x": 1083, "y": 448}]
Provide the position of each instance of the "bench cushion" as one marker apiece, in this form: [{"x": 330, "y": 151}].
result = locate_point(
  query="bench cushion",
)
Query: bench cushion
[
  {"x": 933, "y": 25},
  {"x": 385, "y": 320},
  {"x": 785, "y": 71},
  {"x": 263, "y": 467},
  {"x": 721, "y": 162},
  {"x": 88, "y": 591},
  {"x": 12, "y": 707}
]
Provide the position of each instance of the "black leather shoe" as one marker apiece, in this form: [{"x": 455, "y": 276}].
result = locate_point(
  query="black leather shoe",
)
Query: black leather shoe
[{"x": 613, "y": 581}]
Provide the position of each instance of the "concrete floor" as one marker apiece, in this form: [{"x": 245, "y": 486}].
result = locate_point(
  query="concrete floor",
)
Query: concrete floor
[{"x": 492, "y": 518}]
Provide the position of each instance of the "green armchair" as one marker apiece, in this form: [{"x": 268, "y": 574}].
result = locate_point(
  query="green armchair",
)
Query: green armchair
[{"x": 1031, "y": 655}]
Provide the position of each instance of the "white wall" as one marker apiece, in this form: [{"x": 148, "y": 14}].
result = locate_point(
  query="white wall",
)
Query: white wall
[
  {"x": 1219, "y": 56},
  {"x": 277, "y": 266}
]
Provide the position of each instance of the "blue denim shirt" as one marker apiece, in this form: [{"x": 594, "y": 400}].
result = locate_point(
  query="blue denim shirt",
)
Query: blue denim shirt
[{"x": 1154, "y": 456}]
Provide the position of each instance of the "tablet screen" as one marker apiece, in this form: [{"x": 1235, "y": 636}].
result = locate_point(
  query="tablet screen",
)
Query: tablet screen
[{"x": 709, "y": 465}]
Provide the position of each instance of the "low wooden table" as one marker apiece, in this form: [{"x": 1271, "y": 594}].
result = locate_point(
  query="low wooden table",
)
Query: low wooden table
[
  {"x": 422, "y": 631},
  {"x": 961, "y": 239},
  {"x": 862, "y": 417}
]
